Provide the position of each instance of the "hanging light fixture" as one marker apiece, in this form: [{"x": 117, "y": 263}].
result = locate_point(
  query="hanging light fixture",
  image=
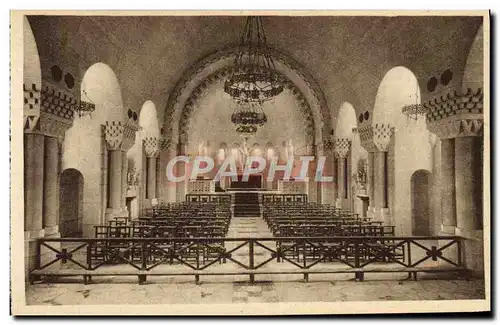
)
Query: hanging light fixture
[
  {"x": 247, "y": 117},
  {"x": 85, "y": 108},
  {"x": 414, "y": 110},
  {"x": 254, "y": 79}
]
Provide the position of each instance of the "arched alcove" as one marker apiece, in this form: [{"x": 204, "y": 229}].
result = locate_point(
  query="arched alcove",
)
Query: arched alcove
[
  {"x": 71, "y": 184},
  {"x": 346, "y": 123},
  {"x": 421, "y": 185},
  {"x": 84, "y": 146},
  {"x": 101, "y": 87},
  {"x": 409, "y": 148}
]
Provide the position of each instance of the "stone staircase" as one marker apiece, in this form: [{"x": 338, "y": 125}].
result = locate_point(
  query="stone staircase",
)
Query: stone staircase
[{"x": 246, "y": 205}]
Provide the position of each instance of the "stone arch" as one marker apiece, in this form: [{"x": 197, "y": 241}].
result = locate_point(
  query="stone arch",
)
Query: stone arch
[
  {"x": 403, "y": 140},
  {"x": 193, "y": 83},
  {"x": 346, "y": 121},
  {"x": 101, "y": 87},
  {"x": 473, "y": 73},
  {"x": 85, "y": 147},
  {"x": 71, "y": 185},
  {"x": 421, "y": 184},
  {"x": 399, "y": 87},
  {"x": 32, "y": 77},
  {"x": 347, "y": 152}
]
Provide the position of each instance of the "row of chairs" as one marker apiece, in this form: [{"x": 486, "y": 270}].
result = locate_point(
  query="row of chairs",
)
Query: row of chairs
[
  {"x": 302, "y": 219},
  {"x": 174, "y": 220}
]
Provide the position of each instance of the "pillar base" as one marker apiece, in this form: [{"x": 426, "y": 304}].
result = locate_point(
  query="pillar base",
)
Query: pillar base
[
  {"x": 380, "y": 214},
  {"x": 473, "y": 250},
  {"x": 52, "y": 232},
  {"x": 113, "y": 213}
]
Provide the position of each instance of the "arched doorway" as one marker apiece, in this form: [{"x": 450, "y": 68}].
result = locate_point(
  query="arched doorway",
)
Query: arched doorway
[
  {"x": 70, "y": 203},
  {"x": 421, "y": 183}
]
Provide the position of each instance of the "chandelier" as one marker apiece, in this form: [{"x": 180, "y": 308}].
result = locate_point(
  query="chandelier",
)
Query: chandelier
[
  {"x": 247, "y": 117},
  {"x": 85, "y": 108},
  {"x": 414, "y": 110},
  {"x": 254, "y": 79}
]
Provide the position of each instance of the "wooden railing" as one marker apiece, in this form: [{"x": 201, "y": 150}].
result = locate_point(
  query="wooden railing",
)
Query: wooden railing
[
  {"x": 284, "y": 198},
  {"x": 205, "y": 198},
  {"x": 144, "y": 257}
]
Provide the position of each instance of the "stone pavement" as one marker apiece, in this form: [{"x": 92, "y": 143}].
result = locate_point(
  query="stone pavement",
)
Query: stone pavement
[{"x": 184, "y": 290}]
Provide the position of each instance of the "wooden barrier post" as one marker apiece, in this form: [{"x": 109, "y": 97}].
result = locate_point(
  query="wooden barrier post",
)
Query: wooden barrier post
[{"x": 251, "y": 259}]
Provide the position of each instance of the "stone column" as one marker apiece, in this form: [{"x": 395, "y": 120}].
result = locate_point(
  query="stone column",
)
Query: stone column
[
  {"x": 342, "y": 148},
  {"x": 33, "y": 184},
  {"x": 124, "y": 186},
  {"x": 115, "y": 179},
  {"x": 169, "y": 186},
  {"x": 151, "y": 179},
  {"x": 335, "y": 179},
  {"x": 375, "y": 139},
  {"x": 468, "y": 184},
  {"x": 370, "y": 177},
  {"x": 119, "y": 136},
  {"x": 51, "y": 186},
  {"x": 380, "y": 180},
  {"x": 151, "y": 149},
  {"x": 457, "y": 119},
  {"x": 448, "y": 198}
]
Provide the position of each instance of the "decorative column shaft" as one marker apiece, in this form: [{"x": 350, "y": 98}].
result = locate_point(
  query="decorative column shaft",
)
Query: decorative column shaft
[
  {"x": 335, "y": 163},
  {"x": 151, "y": 149},
  {"x": 115, "y": 179},
  {"x": 342, "y": 148},
  {"x": 124, "y": 186},
  {"x": 57, "y": 107},
  {"x": 376, "y": 139},
  {"x": 371, "y": 177},
  {"x": 51, "y": 186},
  {"x": 380, "y": 179},
  {"x": 120, "y": 137},
  {"x": 151, "y": 178},
  {"x": 468, "y": 183},
  {"x": 448, "y": 198},
  {"x": 33, "y": 182}
]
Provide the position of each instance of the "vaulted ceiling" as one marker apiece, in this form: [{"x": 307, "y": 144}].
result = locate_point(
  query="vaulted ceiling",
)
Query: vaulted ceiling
[{"x": 348, "y": 56}]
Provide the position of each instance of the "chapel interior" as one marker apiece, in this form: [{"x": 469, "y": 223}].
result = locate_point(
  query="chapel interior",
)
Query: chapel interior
[{"x": 394, "y": 104}]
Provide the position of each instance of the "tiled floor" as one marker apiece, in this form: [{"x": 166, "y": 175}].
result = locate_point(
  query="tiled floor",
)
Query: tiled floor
[
  {"x": 186, "y": 291},
  {"x": 248, "y": 227}
]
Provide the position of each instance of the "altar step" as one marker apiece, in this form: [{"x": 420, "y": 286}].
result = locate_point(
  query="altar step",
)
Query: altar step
[{"x": 246, "y": 205}]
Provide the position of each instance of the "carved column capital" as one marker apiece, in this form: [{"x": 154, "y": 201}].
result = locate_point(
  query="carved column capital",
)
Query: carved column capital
[
  {"x": 164, "y": 143},
  {"x": 120, "y": 135},
  {"x": 456, "y": 114},
  {"x": 376, "y": 137},
  {"x": 31, "y": 109},
  {"x": 342, "y": 147},
  {"x": 151, "y": 146},
  {"x": 48, "y": 110}
]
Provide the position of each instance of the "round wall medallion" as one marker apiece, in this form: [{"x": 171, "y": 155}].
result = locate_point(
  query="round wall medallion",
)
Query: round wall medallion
[
  {"x": 130, "y": 113},
  {"x": 56, "y": 73},
  {"x": 69, "y": 80},
  {"x": 360, "y": 118},
  {"x": 135, "y": 116},
  {"x": 432, "y": 84},
  {"x": 446, "y": 77},
  {"x": 367, "y": 115}
]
